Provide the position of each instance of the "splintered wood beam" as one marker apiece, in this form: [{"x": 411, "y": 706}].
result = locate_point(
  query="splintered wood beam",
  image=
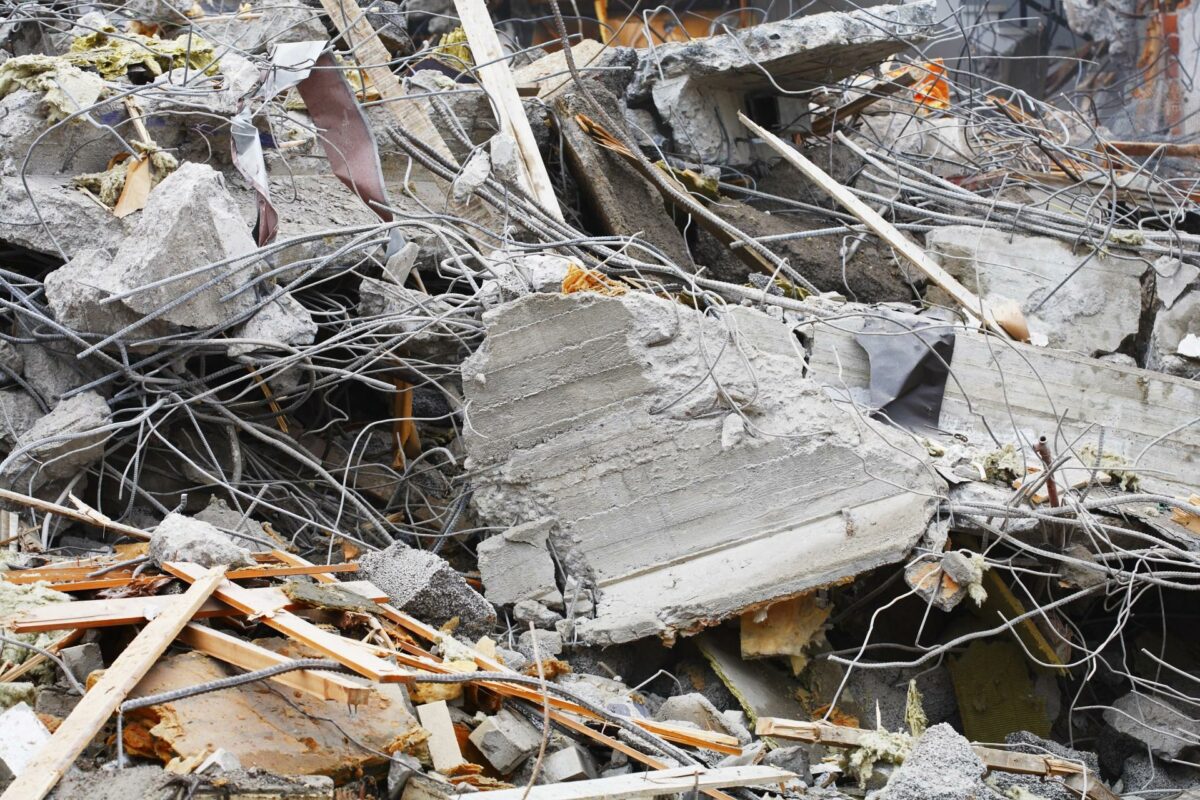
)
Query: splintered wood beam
[
  {"x": 970, "y": 303},
  {"x": 85, "y": 721},
  {"x": 409, "y": 113},
  {"x": 345, "y": 651},
  {"x": 250, "y": 657},
  {"x": 497, "y": 81},
  {"x": 82, "y": 614},
  {"x": 651, "y": 784},
  {"x": 73, "y": 579}
]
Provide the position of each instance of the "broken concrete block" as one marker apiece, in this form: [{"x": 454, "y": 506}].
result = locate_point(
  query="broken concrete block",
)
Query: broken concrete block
[
  {"x": 571, "y": 763},
  {"x": 407, "y": 312},
  {"x": 1157, "y": 725},
  {"x": 1172, "y": 278},
  {"x": 512, "y": 659},
  {"x": 402, "y": 767},
  {"x": 82, "y": 660},
  {"x": 18, "y": 412},
  {"x": 793, "y": 759},
  {"x": 506, "y": 740},
  {"x": 941, "y": 766},
  {"x": 425, "y": 585},
  {"x": 77, "y": 222},
  {"x": 190, "y": 220},
  {"x": 281, "y": 324},
  {"x": 59, "y": 445},
  {"x": 589, "y": 409},
  {"x": 701, "y": 82},
  {"x": 527, "y": 611},
  {"x": 1094, "y": 313},
  {"x": 516, "y": 565},
  {"x": 22, "y": 735},
  {"x": 181, "y": 538},
  {"x": 549, "y": 644}
]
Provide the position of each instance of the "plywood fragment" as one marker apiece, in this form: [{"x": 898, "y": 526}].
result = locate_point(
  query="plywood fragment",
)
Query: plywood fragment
[{"x": 263, "y": 727}]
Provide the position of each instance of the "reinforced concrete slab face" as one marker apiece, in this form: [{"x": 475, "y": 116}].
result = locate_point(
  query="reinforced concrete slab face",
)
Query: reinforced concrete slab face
[{"x": 692, "y": 468}]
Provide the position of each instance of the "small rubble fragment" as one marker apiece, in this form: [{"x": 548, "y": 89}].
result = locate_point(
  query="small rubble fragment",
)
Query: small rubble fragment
[{"x": 506, "y": 740}]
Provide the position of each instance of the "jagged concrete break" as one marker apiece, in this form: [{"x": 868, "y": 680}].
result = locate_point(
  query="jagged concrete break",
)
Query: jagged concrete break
[{"x": 679, "y": 510}]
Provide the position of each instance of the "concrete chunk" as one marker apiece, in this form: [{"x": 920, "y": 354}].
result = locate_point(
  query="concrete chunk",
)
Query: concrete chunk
[
  {"x": 180, "y": 538},
  {"x": 549, "y": 644},
  {"x": 60, "y": 444},
  {"x": 516, "y": 565},
  {"x": 190, "y": 220},
  {"x": 1156, "y": 725},
  {"x": 1093, "y": 313},
  {"x": 589, "y": 409},
  {"x": 506, "y": 740},
  {"x": 569, "y": 764},
  {"x": 425, "y": 585}
]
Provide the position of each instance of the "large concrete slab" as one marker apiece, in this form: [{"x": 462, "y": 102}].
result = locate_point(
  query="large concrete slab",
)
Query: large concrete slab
[
  {"x": 1017, "y": 393},
  {"x": 615, "y": 415}
]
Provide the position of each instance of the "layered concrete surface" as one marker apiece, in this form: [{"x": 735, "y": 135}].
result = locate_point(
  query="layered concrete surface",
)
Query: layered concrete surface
[{"x": 692, "y": 469}]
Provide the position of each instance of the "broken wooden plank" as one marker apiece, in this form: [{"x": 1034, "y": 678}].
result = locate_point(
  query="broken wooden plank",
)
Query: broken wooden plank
[
  {"x": 66, "y": 583},
  {"x": 266, "y": 727},
  {"x": 340, "y": 649},
  {"x": 135, "y": 610},
  {"x": 497, "y": 81},
  {"x": 972, "y": 304},
  {"x": 682, "y": 780},
  {"x": 250, "y": 657},
  {"x": 362, "y": 40},
  {"x": 83, "y": 723},
  {"x": 103, "y": 523}
]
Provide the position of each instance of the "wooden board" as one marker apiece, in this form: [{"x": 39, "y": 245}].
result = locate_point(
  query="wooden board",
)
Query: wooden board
[
  {"x": 86, "y": 720},
  {"x": 497, "y": 81},
  {"x": 444, "y": 751},
  {"x": 71, "y": 579},
  {"x": 682, "y": 780},
  {"x": 250, "y": 657},
  {"x": 968, "y": 300},
  {"x": 338, "y": 648},
  {"x": 411, "y": 114},
  {"x": 136, "y": 610}
]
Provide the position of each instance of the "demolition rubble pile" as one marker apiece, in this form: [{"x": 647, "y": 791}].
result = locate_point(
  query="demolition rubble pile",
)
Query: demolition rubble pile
[{"x": 389, "y": 412}]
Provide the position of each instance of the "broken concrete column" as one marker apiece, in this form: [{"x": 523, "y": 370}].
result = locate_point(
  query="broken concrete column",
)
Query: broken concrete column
[
  {"x": 180, "y": 538},
  {"x": 571, "y": 763},
  {"x": 59, "y": 445},
  {"x": 506, "y": 740},
  {"x": 190, "y": 221},
  {"x": 516, "y": 565},
  {"x": 1095, "y": 312},
  {"x": 680, "y": 512},
  {"x": 425, "y": 585}
]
